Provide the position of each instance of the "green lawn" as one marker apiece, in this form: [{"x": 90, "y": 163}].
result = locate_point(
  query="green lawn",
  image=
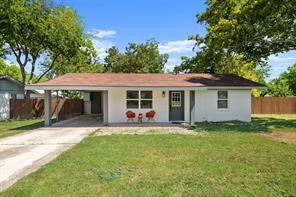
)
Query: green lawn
[
  {"x": 227, "y": 160},
  {"x": 260, "y": 123},
  {"x": 12, "y": 127}
]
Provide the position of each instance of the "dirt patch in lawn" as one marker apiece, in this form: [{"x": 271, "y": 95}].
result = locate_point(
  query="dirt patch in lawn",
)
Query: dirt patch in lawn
[
  {"x": 134, "y": 130},
  {"x": 287, "y": 137}
]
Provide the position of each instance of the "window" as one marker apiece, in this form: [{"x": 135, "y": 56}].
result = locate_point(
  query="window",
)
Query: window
[
  {"x": 176, "y": 100},
  {"x": 132, "y": 99},
  {"x": 146, "y": 99},
  {"x": 139, "y": 99},
  {"x": 222, "y": 102}
]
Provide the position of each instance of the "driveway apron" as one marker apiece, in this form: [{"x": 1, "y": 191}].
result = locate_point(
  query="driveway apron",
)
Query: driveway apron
[{"x": 24, "y": 153}]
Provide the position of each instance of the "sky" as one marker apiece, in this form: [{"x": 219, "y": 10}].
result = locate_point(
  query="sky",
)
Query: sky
[
  {"x": 170, "y": 22},
  {"x": 117, "y": 22}
]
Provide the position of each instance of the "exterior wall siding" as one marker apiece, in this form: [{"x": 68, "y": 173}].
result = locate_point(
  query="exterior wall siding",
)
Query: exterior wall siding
[
  {"x": 117, "y": 106},
  {"x": 7, "y": 86},
  {"x": 239, "y": 106},
  {"x": 4, "y": 106}
]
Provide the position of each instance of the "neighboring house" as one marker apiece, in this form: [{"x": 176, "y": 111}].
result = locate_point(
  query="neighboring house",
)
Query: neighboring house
[
  {"x": 174, "y": 97},
  {"x": 9, "y": 88}
]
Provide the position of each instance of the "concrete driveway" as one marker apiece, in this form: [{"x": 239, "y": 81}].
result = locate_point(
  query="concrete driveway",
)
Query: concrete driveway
[{"x": 24, "y": 153}]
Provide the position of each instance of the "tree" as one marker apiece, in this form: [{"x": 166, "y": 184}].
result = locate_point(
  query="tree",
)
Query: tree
[
  {"x": 290, "y": 75},
  {"x": 230, "y": 65},
  {"x": 34, "y": 30},
  {"x": 85, "y": 60},
  {"x": 11, "y": 70},
  {"x": 137, "y": 58},
  {"x": 241, "y": 34},
  {"x": 14, "y": 72},
  {"x": 285, "y": 84},
  {"x": 254, "y": 29}
]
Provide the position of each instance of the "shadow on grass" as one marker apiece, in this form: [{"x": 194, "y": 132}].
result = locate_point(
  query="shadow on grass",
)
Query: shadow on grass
[
  {"x": 262, "y": 124},
  {"x": 32, "y": 126}
]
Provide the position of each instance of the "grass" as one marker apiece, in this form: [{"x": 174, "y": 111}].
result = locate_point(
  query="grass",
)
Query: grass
[
  {"x": 12, "y": 127},
  {"x": 260, "y": 123},
  {"x": 228, "y": 161}
]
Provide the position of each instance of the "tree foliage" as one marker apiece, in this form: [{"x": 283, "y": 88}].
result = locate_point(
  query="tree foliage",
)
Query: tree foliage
[
  {"x": 228, "y": 65},
  {"x": 285, "y": 84},
  {"x": 34, "y": 30},
  {"x": 85, "y": 60},
  {"x": 10, "y": 70},
  {"x": 137, "y": 58},
  {"x": 241, "y": 35},
  {"x": 14, "y": 72},
  {"x": 254, "y": 29}
]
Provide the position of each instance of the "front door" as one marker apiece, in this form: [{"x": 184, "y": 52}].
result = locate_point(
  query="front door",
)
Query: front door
[
  {"x": 96, "y": 102},
  {"x": 176, "y": 107}
]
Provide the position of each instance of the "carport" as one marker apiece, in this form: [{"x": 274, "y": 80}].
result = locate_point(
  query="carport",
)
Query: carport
[{"x": 95, "y": 100}]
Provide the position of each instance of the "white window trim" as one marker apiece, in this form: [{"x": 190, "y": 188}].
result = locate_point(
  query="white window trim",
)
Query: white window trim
[
  {"x": 139, "y": 99},
  {"x": 218, "y": 99}
]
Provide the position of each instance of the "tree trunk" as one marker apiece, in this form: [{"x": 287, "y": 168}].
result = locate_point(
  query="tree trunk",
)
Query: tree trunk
[
  {"x": 49, "y": 69},
  {"x": 32, "y": 69},
  {"x": 23, "y": 72}
]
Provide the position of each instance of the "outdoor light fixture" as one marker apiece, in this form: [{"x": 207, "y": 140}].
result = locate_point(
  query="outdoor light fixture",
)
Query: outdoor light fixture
[{"x": 163, "y": 93}]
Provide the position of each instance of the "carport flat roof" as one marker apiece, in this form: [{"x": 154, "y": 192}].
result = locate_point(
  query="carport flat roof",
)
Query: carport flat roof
[{"x": 81, "y": 80}]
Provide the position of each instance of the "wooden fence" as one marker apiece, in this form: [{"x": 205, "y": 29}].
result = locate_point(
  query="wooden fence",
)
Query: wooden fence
[
  {"x": 34, "y": 108},
  {"x": 273, "y": 105}
]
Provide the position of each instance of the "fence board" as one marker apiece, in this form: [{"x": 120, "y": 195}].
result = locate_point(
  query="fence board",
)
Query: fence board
[
  {"x": 34, "y": 108},
  {"x": 273, "y": 105}
]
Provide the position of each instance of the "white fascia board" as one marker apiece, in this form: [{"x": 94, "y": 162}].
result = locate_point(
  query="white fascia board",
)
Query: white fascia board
[{"x": 236, "y": 88}]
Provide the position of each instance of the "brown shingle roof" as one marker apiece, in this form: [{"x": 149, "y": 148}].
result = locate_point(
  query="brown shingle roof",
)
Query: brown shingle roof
[{"x": 149, "y": 80}]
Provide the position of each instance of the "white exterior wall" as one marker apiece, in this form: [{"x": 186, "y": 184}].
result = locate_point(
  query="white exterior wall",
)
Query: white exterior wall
[
  {"x": 4, "y": 106},
  {"x": 86, "y": 102},
  {"x": 187, "y": 105},
  {"x": 239, "y": 106},
  {"x": 117, "y": 106}
]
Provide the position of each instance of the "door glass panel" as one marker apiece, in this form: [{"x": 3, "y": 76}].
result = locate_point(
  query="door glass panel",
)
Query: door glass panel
[{"x": 176, "y": 99}]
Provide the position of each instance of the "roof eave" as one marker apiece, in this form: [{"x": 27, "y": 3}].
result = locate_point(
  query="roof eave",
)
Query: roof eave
[
  {"x": 236, "y": 87},
  {"x": 9, "y": 78},
  {"x": 89, "y": 88}
]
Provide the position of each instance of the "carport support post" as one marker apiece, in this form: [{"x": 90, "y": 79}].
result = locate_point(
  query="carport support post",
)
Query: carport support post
[
  {"x": 105, "y": 107},
  {"x": 47, "y": 108}
]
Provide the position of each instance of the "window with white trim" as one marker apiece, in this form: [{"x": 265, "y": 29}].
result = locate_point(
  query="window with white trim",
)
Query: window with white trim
[
  {"x": 139, "y": 99},
  {"x": 222, "y": 102}
]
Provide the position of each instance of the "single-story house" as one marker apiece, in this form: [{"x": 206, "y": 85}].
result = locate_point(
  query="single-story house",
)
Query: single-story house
[
  {"x": 174, "y": 97},
  {"x": 9, "y": 88}
]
